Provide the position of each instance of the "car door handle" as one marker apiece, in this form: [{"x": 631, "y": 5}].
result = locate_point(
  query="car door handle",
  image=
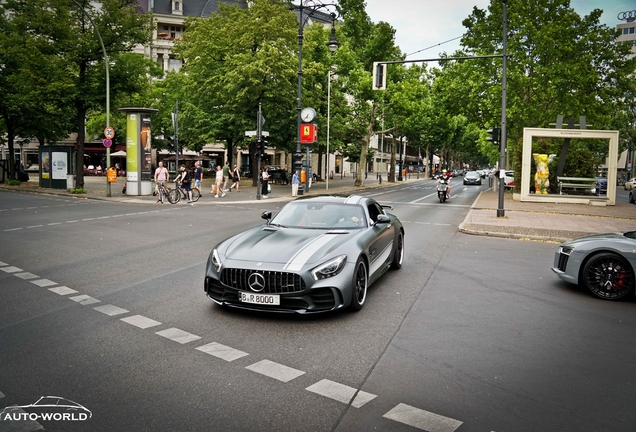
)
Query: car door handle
[{"x": 372, "y": 251}]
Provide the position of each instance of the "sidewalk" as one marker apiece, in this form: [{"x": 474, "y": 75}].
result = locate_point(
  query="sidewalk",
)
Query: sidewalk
[{"x": 545, "y": 221}]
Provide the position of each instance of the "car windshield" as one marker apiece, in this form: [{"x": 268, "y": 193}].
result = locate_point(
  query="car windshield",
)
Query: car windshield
[{"x": 317, "y": 215}]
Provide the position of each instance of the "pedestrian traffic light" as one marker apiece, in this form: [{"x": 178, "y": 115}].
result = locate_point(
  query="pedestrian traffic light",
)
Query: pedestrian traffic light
[
  {"x": 297, "y": 161},
  {"x": 494, "y": 136}
]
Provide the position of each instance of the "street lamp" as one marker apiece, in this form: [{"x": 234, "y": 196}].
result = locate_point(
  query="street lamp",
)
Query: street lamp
[
  {"x": 333, "y": 46},
  {"x": 312, "y": 6},
  {"x": 99, "y": 36}
]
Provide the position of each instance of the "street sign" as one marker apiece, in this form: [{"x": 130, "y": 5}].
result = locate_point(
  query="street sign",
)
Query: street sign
[
  {"x": 109, "y": 133},
  {"x": 107, "y": 143},
  {"x": 254, "y": 133}
]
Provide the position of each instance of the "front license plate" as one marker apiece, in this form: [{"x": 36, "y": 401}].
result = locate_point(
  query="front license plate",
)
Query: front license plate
[{"x": 261, "y": 299}]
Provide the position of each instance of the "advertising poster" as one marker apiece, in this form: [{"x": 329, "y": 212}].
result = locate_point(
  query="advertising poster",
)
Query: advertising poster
[
  {"x": 132, "y": 147},
  {"x": 146, "y": 163},
  {"x": 45, "y": 165},
  {"x": 59, "y": 165}
]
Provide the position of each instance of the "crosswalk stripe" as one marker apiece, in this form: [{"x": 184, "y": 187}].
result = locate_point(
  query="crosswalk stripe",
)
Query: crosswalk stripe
[
  {"x": 63, "y": 290},
  {"x": 178, "y": 335},
  {"x": 3, "y": 264},
  {"x": 421, "y": 419},
  {"x": 340, "y": 392},
  {"x": 26, "y": 275},
  {"x": 221, "y": 351},
  {"x": 275, "y": 370},
  {"x": 110, "y": 310},
  {"x": 10, "y": 269},
  {"x": 85, "y": 299},
  {"x": 43, "y": 282}
]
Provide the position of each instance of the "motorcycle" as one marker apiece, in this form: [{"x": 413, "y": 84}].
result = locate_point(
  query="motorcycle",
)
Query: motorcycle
[{"x": 441, "y": 190}]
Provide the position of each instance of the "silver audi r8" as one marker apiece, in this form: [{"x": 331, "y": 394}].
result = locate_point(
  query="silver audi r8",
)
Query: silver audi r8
[
  {"x": 316, "y": 254},
  {"x": 603, "y": 263}
]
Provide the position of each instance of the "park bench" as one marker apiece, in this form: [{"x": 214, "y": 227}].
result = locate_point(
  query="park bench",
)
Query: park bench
[{"x": 586, "y": 183}]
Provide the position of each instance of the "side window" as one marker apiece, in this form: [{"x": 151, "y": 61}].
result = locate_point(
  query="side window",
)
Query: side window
[{"x": 374, "y": 212}]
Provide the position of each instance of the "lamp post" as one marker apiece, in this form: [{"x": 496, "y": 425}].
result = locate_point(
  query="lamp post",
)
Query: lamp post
[
  {"x": 333, "y": 46},
  {"x": 101, "y": 42},
  {"x": 312, "y": 6}
]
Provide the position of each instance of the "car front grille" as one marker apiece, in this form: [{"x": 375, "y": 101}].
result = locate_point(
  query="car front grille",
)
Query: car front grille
[
  {"x": 275, "y": 282},
  {"x": 563, "y": 261}
]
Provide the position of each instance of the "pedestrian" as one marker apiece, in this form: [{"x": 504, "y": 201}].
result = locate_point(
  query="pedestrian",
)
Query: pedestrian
[
  {"x": 226, "y": 176},
  {"x": 186, "y": 182},
  {"x": 295, "y": 183},
  {"x": 198, "y": 176},
  {"x": 236, "y": 178},
  {"x": 161, "y": 177},
  {"x": 218, "y": 181},
  {"x": 264, "y": 181}
]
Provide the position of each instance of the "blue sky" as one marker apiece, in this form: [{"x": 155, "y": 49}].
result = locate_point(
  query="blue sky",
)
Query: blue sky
[{"x": 424, "y": 23}]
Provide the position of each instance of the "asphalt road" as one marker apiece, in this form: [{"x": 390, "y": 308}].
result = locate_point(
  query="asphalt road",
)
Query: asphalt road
[{"x": 472, "y": 333}]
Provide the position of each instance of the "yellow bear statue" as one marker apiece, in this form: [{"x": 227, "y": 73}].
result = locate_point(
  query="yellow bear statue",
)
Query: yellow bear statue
[{"x": 542, "y": 176}]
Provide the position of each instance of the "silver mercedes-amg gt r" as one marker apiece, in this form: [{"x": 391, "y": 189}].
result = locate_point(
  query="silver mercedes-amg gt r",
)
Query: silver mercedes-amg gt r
[{"x": 316, "y": 254}]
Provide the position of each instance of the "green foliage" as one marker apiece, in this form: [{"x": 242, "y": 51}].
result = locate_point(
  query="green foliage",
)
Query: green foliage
[
  {"x": 78, "y": 191},
  {"x": 12, "y": 182}
]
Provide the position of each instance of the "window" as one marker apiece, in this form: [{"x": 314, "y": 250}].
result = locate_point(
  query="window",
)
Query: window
[
  {"x": 176, "y": 5},
  {"x": 631, "y": 30}
]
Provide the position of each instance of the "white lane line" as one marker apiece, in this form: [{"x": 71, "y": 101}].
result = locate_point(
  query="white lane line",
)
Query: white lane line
[
  {"x": 54, "y": 223},
  {"x": 110, "y": 310},
  {"x": 35, "y": 226},
  {"x": 130, "y": 214},
  {"x": 30, "y": 208},
  {"x": 439, "y": 224},
  {"x": 178, "y": 335},
  {"x": 103, "y": 217},
  {"x": 89, "y": 219},
  {"x": 141, "y": 321},
  {"x": 423, "y": 198},
  {"x": 340, "y": 392},
  {"x": 1, "y": 395},
  {"x": 43, "y": 282},
  {"x": 221, "y": 351},
  {"x": 3, "y": 264},
  {"x": 11, "y": 269},
  {"x": 63, "y": 290},
  {"x": 13, "y": 229},
  {"x": 26, "y": 275},
  {"x": 85, "y": 299},
  {"x": 423, "y": 223},
  {"x": 45, "y": 206},
  {"x": 17, "y": 208},
  {"x": 77, "y": 220},
  {"x": 421, "y": 419},
  {"x": 275, "y": 370}
]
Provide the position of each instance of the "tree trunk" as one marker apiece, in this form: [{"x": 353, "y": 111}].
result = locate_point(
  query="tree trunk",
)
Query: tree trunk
[
  {"x": 391, "y": 176},
  {"x": 365, "y": 147}
]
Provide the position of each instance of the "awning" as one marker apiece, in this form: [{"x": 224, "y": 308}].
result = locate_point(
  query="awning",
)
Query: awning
[{"x": 119, "y": 153}]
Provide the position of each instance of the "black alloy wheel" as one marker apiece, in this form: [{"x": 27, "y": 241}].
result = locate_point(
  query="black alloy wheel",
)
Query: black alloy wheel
[
  {"x": 608, "y": 276},
  {"x": 360, "y": 285}
]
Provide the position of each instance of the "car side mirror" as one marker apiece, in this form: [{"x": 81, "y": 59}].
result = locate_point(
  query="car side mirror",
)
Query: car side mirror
[
  {"x": 267, "y": 215},
  {"x": 382, "y": 219}
]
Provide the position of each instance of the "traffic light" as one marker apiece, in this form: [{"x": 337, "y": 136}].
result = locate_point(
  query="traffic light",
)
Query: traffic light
[
  {"x": 494, "y": 136},
  {"x": 263, "y": 146},
  {"x": 171, "y": 142},
  {"x": 297, "y": 161},
  {"x": 379, "y": 76}
]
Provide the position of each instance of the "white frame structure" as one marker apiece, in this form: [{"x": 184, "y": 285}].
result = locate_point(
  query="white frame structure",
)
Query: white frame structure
[{"x": 530, "y": 133}]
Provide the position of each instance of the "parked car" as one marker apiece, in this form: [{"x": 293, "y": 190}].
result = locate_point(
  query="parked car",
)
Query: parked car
[
  {"x": 629, "y": 184},
  {"x": 601, "y": 186},
  {"x": 602, "y": 263},
  {"x": 316, "y": 254},
  {"x": 509, "y": 179},
  {"x": 472, "y": 177}
]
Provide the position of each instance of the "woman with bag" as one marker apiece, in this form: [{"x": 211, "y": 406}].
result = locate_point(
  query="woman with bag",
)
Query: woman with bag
[
  {"x": 265, "y": 183},
  {"x": 236, "y": 178}
]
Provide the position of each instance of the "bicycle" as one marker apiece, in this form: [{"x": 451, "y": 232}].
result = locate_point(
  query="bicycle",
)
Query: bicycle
[
  {"x": 178, "y": 193},
  {"x": 165, "y": 192}
]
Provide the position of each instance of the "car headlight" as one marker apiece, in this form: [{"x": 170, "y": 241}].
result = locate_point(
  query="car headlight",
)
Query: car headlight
[
  {"x": 566, "y": 250},
  {"x": 329, "y": 269},
  {"x": 216, "y": 261}
]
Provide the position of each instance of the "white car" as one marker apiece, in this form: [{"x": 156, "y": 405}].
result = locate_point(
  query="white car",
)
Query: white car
[
  {"x": 509, "y": 179},
  {"x": 629, "y": 184}
]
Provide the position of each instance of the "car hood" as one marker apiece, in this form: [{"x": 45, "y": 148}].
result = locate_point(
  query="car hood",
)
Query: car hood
[
  {"x": 291, "y": 246},
  {"x": 597, "y": 237}
]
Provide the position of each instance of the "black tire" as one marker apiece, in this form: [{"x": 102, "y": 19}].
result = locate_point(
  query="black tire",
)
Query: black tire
[
  {"x": 195, "y": 195},
  {"x": 608, "y": 276},
  {"x": 398, "y": 254},
  {"x": 173, "y": 196},
  {"x": 359, "y": 285}
]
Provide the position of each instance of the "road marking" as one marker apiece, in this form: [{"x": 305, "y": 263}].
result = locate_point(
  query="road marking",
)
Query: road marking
[
  {"x": 43, "y": 282},
  {"x": 85, "y": 299},
  {"x": 54, "y": 223},
  {"x": 26, "y": 275},
  {"x": 439, "y": 224},
  {"x": 13, "y": 229},
  {"x": 11, "y": 269},
  {"x": 141, "y": 321},
  {"x": 3, "y": 264},
  {"x": 423, "y": 198},
  {"x": 178, "y": 335},
  {"x": 63, "y": 290},
  {"x": 103, "y": 217},
  {"x": 221, "y": 351},
  {"x": 35, "y": 226},
  {"x": 72, "y": 221},
  {"x": 275, "y": 370},
  {"x": 340, "y": 392},
  {"x": 30, "y": 208},
  {"x": 110, "y": 310},
  {"x": 423, "y": 223},
  {"x": 17, "y": 209},
  {"x": 421, "y": 419},
  {"x": 89, "y": 219}
]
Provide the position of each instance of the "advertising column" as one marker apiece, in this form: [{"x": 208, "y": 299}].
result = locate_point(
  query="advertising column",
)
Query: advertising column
[{"x": 138, "y": 151}]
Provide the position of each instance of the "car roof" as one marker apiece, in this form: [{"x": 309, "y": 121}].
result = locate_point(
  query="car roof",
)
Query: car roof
[{"x": 342, "y": 199}]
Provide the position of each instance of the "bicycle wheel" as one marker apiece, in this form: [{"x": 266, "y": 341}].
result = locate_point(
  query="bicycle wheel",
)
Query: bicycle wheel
[
  {"x": 173, "y": 196},
  {"x": 195, "y": 195}
]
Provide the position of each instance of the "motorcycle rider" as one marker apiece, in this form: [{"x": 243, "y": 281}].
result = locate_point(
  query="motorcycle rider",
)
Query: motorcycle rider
[{"x": 445, "y": 177}]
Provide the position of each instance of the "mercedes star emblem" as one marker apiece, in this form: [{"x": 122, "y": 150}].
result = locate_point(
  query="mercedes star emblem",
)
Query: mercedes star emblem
[{"x": 256, "y": 281}]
